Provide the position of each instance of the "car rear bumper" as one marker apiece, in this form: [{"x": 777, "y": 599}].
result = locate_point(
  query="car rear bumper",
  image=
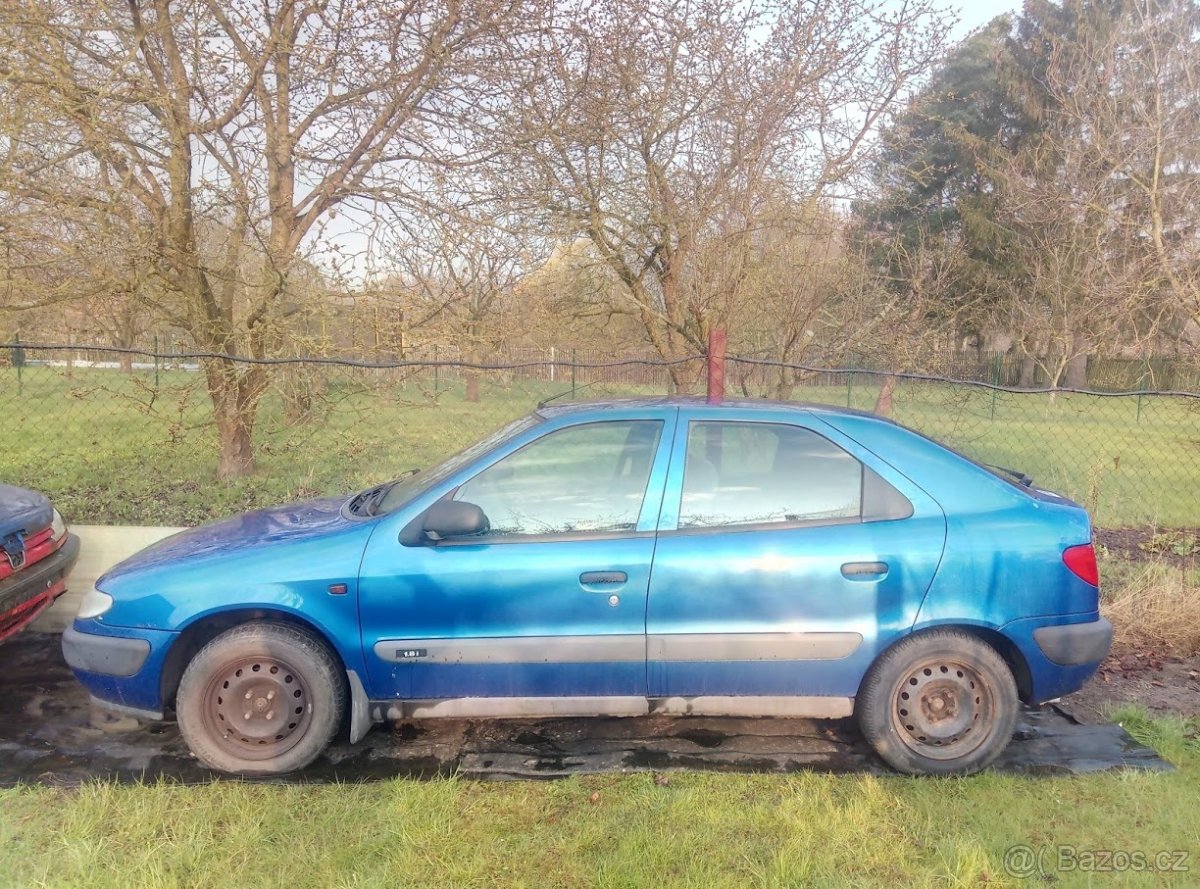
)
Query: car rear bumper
[
  {"x": 1062, "y": 653},
  {"x": 25, "y": 594},
  {"x": 1075, "y": 644}
]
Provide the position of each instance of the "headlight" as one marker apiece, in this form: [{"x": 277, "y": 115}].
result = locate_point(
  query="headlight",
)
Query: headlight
[
  {"x": 57, "y": 526},
  {"x": 93, "y": 604}
]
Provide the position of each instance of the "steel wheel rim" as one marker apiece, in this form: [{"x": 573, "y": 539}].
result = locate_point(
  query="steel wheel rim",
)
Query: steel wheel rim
[
  {"x": 257, "y": 708},
  {"x": 943, "y": 708}
]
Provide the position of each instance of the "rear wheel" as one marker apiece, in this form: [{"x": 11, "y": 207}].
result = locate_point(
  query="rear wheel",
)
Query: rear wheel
[
  {"x": 942, "y": 702},
  {"x": 260, "y": 699}
]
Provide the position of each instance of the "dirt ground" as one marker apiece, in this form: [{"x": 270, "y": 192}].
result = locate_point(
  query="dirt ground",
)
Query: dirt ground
[
  {"x": 1149, "y": 675},
  {"x": 1162, "y": 684},
  {"x": 1142, "y": 544}
]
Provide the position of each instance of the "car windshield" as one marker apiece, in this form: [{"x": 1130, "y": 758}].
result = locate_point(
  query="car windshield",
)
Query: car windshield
[{"x": 386, "y": 498}]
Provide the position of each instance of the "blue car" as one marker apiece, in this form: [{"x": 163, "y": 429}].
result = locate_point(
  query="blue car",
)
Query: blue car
[{"x": 659, "y": 556}]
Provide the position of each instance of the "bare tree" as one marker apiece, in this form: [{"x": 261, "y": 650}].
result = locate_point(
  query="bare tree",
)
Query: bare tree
[
  {"x": 460, "y": 268},
  {"x": 570, "y": 301},
  {"x": 257, "y": 120},
  {"x": 1123, "y": 89},
  {"x": 795, "y": 293},
  {"x": 1082, "y": 285},
  {"x": 657, "y": 129}
]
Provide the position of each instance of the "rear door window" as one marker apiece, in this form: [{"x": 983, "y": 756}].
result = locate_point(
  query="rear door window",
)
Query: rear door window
[{"x": 740, "y": 474}]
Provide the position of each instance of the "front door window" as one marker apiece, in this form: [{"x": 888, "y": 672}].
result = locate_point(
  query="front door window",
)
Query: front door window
[{"x": 586, "y": 479}]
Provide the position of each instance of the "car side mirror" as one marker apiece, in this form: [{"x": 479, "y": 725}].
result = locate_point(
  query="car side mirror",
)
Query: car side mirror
[{"x": 453, "y": 518}]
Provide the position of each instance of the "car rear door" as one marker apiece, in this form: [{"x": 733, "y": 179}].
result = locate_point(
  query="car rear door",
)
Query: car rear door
[
  {"x": 788, "y": 556},
  {"x": 551, "y": 603}
]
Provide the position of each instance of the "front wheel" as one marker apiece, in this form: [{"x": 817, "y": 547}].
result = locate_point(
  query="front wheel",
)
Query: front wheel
[
  {"x": 260, "y": 699},
  {"x": 938, "y": 703}
]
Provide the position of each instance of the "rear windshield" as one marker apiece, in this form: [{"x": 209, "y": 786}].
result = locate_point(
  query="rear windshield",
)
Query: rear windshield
[{"x": 1014, "y": 477}]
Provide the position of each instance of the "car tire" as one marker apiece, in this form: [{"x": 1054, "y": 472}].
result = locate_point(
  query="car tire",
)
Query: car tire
[
  {"x": 261, "y": 699},
  {"x": 942, "y": 702}
]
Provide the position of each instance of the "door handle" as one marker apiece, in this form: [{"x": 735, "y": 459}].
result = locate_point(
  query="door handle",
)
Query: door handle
[
  {"x": 864, "y": 570},
  {"x": 601, "y": 578}
]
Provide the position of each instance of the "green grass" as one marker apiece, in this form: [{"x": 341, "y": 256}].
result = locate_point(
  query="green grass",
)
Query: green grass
[
  {"x": 699, "y": 830},
  {"x": 112, "y": 448}
]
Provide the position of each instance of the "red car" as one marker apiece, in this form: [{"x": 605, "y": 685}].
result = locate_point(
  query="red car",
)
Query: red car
[{"x": 36, "y": 555}]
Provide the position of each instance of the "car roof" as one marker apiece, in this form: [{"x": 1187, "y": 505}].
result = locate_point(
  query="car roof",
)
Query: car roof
[{"x": 558, "y": 409}]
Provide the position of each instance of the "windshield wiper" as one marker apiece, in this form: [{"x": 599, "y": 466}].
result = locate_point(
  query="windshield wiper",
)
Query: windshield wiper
[
  {"x": 1015, "y": 474},
  {"x": 573, "y": 391},
  {"x": 371, "y": 501},
  {"x": 358, "y": 503},
  {"x": 368, "y": 501}
]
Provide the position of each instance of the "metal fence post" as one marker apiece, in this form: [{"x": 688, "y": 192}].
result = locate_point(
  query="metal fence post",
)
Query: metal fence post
[
  {"x": 995, "y": 382},
  {"x": 18, "y": 359},
  {"x": 1141, "y": 391},
  {"x": 849, "y": 378},
  {"x": 573, "y": 363},
  {"x": 716, "y": 366},
  {"x": 435, "y": 370},
  {"x": 156, "y": 361}
]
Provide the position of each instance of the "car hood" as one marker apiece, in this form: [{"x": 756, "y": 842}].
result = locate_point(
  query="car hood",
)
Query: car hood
[
  {"x": 23, "y": 510},
  {"x": 261, "y": 529}
]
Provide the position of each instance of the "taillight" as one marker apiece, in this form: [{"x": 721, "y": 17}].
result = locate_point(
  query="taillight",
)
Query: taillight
[{"x": 1082, "y": 562}]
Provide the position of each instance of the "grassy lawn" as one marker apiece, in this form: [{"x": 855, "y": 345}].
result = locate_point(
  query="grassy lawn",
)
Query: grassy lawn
[
  {"x": 701, "y": 830},
  {"x": 111, "y": 448}
]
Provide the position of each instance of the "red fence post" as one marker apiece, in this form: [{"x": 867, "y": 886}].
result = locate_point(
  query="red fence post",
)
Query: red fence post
[{"x": 716, "y": 366}]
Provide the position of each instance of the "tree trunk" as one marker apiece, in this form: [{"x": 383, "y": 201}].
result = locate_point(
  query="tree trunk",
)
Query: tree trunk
[
  {"x": 234, "y": 411},
  {"x": 1054, "y": 374},
  {"x": 236, "y": 458},
  {"x": 683, "y": 378},
  {"x": 1076, "y": 376},
  {"x": 883, "y": 404},
  {"x": 744, "y": 384},
  {"x": 784, "y": 385},
  {"x": 1077, "y": 367},
  {"x": 1027, "y": 373},
  {"x": 472, "y": 377},
  {"x": 126, "y": 363}
]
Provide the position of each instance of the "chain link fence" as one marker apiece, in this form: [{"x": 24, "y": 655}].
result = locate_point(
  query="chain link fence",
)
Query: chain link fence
[{"x": 127, "y": 436}]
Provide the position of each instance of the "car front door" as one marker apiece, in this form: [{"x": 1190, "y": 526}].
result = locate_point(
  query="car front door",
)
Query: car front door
[
  {"x": 545, "y": 612},
  {"x": 788, "y": 557}
]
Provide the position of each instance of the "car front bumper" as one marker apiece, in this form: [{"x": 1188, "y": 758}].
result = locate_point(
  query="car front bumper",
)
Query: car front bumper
[
  {"x": 121, "y": 667},
  {"x": 25, "y": 594},
  {"x": 110, "y": 655}
]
